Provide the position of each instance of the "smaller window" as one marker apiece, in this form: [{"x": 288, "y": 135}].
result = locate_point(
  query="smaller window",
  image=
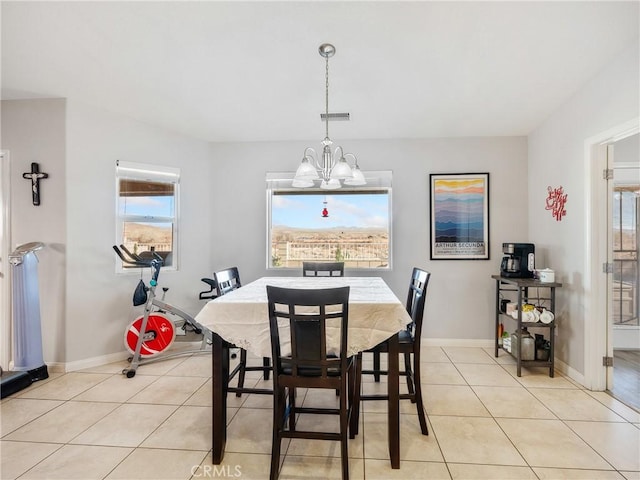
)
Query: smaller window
[{"x": 147, "y": 210}]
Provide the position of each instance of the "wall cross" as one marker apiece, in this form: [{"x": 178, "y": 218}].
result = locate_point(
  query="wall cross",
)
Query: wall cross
[{"x": 35, "y": 175}]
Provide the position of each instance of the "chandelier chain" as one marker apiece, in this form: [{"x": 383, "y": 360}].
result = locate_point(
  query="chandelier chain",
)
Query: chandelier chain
[
  {"x": 333, "y": 170},
  {"x": 326, "y": 97}
]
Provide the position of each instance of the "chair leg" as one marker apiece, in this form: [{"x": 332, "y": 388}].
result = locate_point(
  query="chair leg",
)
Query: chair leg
[
  {"x": 279, "y": 402},
  {"x": 279, "y": 412},
  {"x": 241, "y": 372},
  {"x": 344, "y": 427},
  {"x": 266, "y": 363},
  {"x": 409, "y": 375},
  {"x": 376, "y": 366},
  {"x": 292, "y": 409},
  {"x": 418, "y": 395},
  {"x": 354, "y": 420}
]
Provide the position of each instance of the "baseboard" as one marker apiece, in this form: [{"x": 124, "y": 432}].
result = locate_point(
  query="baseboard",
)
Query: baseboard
[
  {"x": 52, "y": 367},
  {"x": 458, "y": 342},
  {"x": 56, "y": 367},
  {"x": 95, "y": 361},
  {"x": 427, "y": 342},
  {"x": 119, "y": 356},
  {"x": 570, "y": 372}
]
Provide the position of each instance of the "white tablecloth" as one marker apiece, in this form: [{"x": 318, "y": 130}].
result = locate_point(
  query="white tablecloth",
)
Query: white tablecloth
[{"x": 241, "y": 317}]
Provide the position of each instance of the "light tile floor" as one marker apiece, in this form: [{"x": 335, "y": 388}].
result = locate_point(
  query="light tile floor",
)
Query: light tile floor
[{"x": 484, "y": 423}]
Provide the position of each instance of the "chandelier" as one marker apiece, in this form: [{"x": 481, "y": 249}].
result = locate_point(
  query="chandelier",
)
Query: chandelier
[{"x": 334, "y": 170}]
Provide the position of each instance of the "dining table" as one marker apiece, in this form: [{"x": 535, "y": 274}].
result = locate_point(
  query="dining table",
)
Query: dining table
[{"x": 240, "y": 318}]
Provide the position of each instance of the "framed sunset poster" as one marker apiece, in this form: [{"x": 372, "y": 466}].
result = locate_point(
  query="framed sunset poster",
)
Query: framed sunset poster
[{"x": 459, "y": 216}]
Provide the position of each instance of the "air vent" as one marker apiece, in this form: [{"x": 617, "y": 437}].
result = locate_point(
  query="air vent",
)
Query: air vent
[{"x": 335, "y": 117}]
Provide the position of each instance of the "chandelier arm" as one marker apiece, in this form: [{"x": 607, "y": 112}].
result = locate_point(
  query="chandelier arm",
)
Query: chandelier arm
[
  {"x": 355, "y": 159},
  {"x": 312, "y": 156},
  {"x": 314, "y": 161}
]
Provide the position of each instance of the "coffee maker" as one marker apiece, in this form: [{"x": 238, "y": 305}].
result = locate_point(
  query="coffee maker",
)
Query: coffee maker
[{"x": 519, "y": 260}]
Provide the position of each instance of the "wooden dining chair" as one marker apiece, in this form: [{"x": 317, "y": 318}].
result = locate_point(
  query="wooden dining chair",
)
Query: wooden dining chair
[
  {"x": 409, "y": 345},
  {"x": 323, "y": 269},
  {"x": 226, "y": 281},
  {"x": 298, "y": 318}
]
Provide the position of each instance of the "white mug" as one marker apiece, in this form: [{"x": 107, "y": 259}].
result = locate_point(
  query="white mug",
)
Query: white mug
[
  {"x": 546, "y": 316},
  {"x": 547, "y": 275}
]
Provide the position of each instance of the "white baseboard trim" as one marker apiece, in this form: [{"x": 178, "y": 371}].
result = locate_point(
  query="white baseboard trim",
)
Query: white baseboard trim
[
  {"x": 458, "y": 342},
  {"x": 56, "y": 367},
  {"x": 119, "y": 356},
  {"x": 570, "y": 372},
  {"x": 626, "y": 337},
  {"x": 52, "y": 367},
  {"x": 95, "y": 361},
  {"x": 428, "y": 342}
]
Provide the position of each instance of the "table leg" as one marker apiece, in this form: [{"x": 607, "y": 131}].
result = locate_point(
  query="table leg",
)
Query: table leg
[
  {"x": 393, "y": 387},
  {"x": 220, "y": 384}
]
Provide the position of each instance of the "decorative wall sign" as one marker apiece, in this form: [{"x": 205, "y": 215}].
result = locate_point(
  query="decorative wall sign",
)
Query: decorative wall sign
[
  {"x": 35, "y": 175},
  {"x": 556, "y": 199},
  {"x": 459, "y": 216}
]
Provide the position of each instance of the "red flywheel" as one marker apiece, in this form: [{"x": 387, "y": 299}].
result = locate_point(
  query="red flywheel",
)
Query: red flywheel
[{"x": 159, "y": 335}]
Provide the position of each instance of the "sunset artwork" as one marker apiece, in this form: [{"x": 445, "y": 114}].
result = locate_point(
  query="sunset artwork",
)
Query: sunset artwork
[{"x": 459, "y": 216}]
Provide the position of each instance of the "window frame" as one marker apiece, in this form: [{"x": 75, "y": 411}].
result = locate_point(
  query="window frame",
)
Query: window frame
[
  {"x": 281, "y": 182},
  {"x": 149, "y": 173}
]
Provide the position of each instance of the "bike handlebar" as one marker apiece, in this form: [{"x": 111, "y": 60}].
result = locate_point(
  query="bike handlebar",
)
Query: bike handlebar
[
  {"x": 155, "y": 263},
  {"x": 135, "y": 256},
  {"x": 137, "y": 260}
]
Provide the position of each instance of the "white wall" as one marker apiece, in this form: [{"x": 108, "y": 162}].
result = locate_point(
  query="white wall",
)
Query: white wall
[
  {"x": 85, "y": 306},
  {"x": 34, "y": 131},
  {"x": 223, "y": 210},
  {"x": 557, "y": 158},
  {"x": 99, "y": 301},
  {"x": 461, "y": 293},
  {"x": 223, "y": 219}
]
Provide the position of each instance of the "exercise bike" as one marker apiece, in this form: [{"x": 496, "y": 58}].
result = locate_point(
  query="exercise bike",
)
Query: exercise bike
[{"x": 150, "y": 335}]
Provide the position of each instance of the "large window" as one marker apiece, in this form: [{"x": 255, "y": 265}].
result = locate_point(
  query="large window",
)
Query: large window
[
  {"x": 147, "y": 210},
  {"x": 351, "y": 225}
]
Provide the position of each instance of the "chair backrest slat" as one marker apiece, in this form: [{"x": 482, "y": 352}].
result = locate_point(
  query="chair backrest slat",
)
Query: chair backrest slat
[
  {"x": 306, "y": 313},
  {"x": 323, "y": 269}
]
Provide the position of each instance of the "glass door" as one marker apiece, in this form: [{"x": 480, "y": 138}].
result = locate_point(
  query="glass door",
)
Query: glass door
[{"x": 625, "y": 276}]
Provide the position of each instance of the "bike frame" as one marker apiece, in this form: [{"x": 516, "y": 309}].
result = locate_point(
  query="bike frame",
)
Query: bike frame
[{"x": 197, "y": 333}]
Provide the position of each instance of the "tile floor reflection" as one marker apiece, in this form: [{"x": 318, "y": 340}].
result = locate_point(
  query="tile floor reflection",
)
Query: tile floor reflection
[{"x": 484, "y": 423}]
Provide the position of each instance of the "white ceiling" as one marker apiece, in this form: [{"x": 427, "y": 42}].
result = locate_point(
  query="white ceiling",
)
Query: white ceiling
[{"x": 250, "y": 71}]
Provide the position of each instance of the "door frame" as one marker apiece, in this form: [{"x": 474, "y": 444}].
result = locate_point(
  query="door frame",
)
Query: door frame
[
  {"x": 5, "y": 248},
  {"x": 597, "y": 337}
]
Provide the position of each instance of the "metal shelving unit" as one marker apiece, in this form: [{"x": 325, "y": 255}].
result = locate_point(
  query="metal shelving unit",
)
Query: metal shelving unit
[{"x": 521, "y": 287}]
